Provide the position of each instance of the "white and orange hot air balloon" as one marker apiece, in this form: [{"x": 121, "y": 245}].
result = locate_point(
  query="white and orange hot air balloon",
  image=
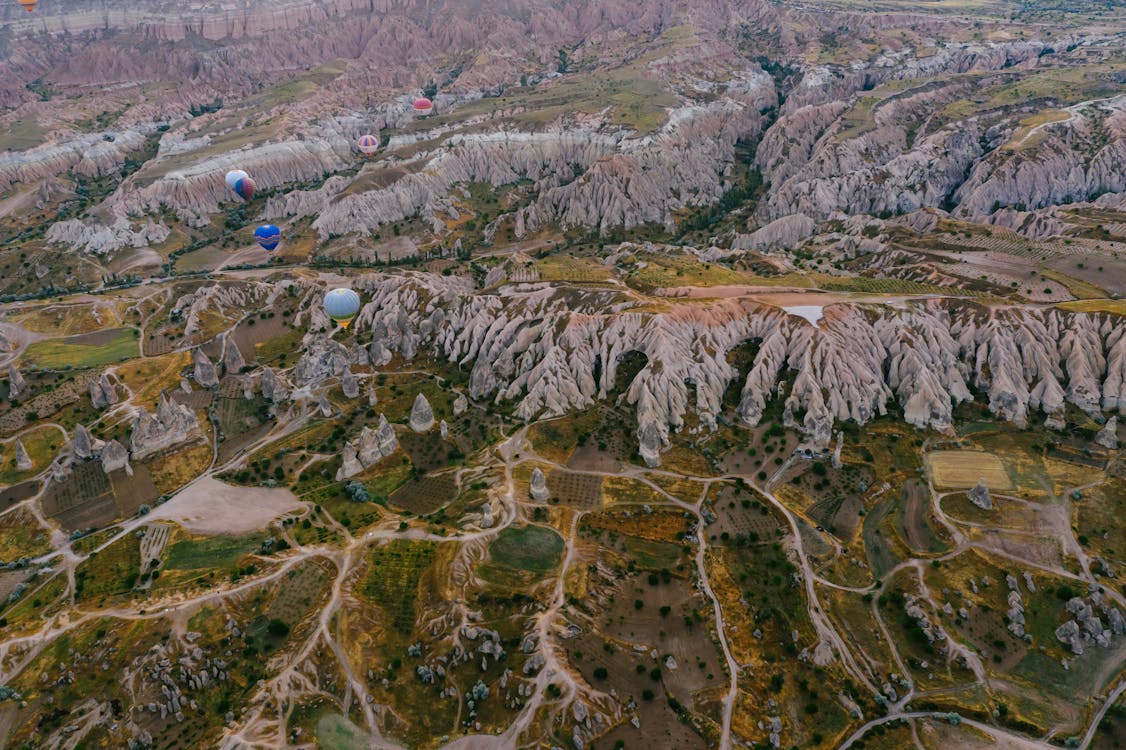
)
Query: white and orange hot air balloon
[{"x": 28, "y": 5}]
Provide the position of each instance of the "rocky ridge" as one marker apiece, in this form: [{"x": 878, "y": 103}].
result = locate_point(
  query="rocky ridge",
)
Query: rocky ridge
[{"x": 542, "y": 347}]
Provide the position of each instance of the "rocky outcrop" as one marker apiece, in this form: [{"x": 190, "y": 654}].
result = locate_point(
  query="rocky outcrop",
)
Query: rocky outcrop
[
  {"x": 372, "y": 447},
  {"x": 422, "y": 416},
  {"x": 16, "y": 383},
  {"x": 232, "y": 357},
  {"x": 103, "y": 392},
  {"x": 323, "y": 358},
  {"x": 349, "y": 384},
  {"x": 1108, "y": 435},
  {"x": 23, "y": 461},
  {"x": 172, "y": 425},
  {"x": 206, "y": 374},
  {"x": 979, "y": 495},
  {"x": 538, "y": 489},
  {"x": 86, "y": 445},
  {"x": 786, "y": 232},
  {"x": 224, "y": 298},
  {"x": 273, "y": 389},
  {"x": 115, "y": 457},
  {"x": 98, "y": 239},
  {"x": 461, "y": 405},
  {"x": 543, "y": 347}
]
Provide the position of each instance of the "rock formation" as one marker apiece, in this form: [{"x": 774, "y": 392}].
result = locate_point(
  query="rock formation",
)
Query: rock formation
[
  {"x": 273, "y": 389},
  {"x": 372, "y": 447},
  {"x": 23, "y": 461},
  {"x": 232, "y": 357},
  {"x": 444, "y": 429},
  {"x": 422, "y": 416},
  {"x": 538, "y": 488},
  {"x": 85, "y": 444},
  {"x": 1108, "y": 435},
  {"x": 114, "y": 457},
  {"x": 979, "y": 495},
  {"x": 461, "y": 404},
  {"x": 16, "y": 383},
  {"x": 206, "y": 373},
  {"x": 103, "y": 392},
  {"x": 173, "y": 424},
  {"x": 928, "y": 355},
  {"x": 349, "y": 384}
]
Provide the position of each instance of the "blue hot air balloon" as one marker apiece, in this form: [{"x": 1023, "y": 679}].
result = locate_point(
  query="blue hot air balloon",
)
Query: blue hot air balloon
[
  {"x": 368, "y": 144},
  {"x": 342, "y": 305},
  {"x": 268, "y": 236}
]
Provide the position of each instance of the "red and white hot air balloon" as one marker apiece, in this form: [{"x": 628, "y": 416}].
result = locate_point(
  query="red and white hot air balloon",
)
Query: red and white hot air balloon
[{"x": 423, "y": 106}]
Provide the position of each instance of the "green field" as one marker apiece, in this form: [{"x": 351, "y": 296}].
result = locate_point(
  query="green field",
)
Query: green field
[
  {"x": 394, "y": 577},
  {"x": 88, "y": 350},
  {"x": 535, "y": 548},
  {"x": 334, "y": 732},
  {"x": 214, "y": 552}
]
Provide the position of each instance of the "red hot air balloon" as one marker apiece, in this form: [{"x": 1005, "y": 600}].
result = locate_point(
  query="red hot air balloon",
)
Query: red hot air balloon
[{"x": 423, "y": 106}]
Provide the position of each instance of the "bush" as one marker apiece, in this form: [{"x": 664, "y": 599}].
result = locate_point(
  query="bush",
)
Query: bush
[
  {"x": 277, "y": 628},
  {"x": 601, "y": 673}
]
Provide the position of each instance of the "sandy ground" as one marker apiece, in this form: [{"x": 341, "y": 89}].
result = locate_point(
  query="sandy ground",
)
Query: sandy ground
[{"x": 208, "y": 506}]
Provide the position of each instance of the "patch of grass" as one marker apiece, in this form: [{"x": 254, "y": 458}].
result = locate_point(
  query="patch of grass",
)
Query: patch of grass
[
  {"x": 195, "y": 553},
  {"x": 90, "y": 350},
  {"x": 41, "y": 444},
  {"x": 535, "y": 548},
  {"x": 22, "y": 134},
  {"x": 392, "y": 581},
  {"x": 1081, "y": 289},
  {"x": 112, "y": 571},
  {"x": 1113, "y": 306}
]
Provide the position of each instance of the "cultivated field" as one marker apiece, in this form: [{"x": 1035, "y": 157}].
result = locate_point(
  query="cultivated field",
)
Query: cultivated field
[{"x": 963, "y": 469}]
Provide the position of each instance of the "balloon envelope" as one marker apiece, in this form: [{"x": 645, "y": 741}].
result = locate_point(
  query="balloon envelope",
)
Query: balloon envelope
[
  {"x": 342, "y": 305},
  {"x": 423, "y": 105},
  {"x": 368, "y": 144},
  {"x": 245, "y": 188},
  {"x": 234, "y": 176},
  {"x": 268, "y": 236},
  {"x": 28, "y": 5}
]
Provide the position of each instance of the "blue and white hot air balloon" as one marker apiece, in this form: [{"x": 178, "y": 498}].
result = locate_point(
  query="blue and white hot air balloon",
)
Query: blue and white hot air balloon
[
  {"x": 342, "y": 306},
  {"x": 240, "y": 182},
  {"x": 268, "y": 236}
]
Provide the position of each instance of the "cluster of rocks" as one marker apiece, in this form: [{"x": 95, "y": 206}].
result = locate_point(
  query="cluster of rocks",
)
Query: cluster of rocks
[
  {"x": 1015, "y": 613},
  {"x": 1087, "y": 627},
  {"x": 933, "y": 632},
  {"x": 369, "y": 449},
  {"x": 172, "y": 424},
  {"x": 191, "y": 673}
]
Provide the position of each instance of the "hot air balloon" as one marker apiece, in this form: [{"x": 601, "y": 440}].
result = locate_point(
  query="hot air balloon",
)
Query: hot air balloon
[
  {"x": 342, "y": 305},
  {"x": 268, "y": 236},
  {"x": 240, "y": 182},
  {"x": 28, "y": 5},
  {"x": 423, "y": 106},
  {"x": 368, "y": 144}
]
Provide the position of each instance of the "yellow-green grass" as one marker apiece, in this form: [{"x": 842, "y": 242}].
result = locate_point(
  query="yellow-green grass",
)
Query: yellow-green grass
[
  {"x": 663, "y": 271},
  {"x": 1114, "y": 306},
  {"x": 22, "y": 134},
  {"x": 41, "y": 443},
  {"x": 81, "y": 352},
  {"x": 963, "y": 469},
  {"x": 565, "y": 268},
  {"x": 1020, "y": 138},
  {"x": 1064, "y": 85},
  {"x": 1077, "y": 288},
  {"x": 146, "y": 378},
  {"x": 68, "y": 320}
]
